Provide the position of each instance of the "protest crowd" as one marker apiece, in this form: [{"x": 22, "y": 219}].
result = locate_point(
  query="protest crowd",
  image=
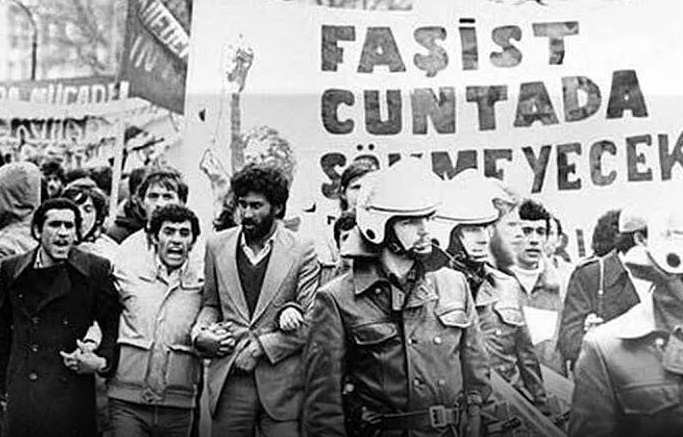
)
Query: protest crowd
[{"x": 120, "y": 327}]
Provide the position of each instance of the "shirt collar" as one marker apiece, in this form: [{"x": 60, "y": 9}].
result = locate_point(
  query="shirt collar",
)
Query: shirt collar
[
  {"x": 255, "y": 258},
  {"x": 76, "y": 259},
  {"x": 38, "y": 263},
  {"x": 162, "y": 271}
]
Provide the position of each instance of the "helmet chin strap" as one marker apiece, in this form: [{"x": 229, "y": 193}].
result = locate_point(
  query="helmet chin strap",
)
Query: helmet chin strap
[{"x": 395, "y": 246}]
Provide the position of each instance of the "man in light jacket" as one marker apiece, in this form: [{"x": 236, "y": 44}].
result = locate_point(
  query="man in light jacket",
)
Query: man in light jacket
[{"x": 154, "y": 389}]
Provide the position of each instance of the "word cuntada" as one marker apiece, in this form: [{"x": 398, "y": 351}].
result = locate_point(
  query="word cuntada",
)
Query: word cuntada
[{"x": 380, "y": 49}]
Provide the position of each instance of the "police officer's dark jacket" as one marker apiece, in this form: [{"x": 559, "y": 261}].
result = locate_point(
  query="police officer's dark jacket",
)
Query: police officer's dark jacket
[{"x": 391, "y": 351}]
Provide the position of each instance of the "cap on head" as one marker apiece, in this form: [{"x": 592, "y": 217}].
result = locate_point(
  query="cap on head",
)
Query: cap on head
[
  {"x": 631, "y": 219},
  {"x": 406, "y": 189}
]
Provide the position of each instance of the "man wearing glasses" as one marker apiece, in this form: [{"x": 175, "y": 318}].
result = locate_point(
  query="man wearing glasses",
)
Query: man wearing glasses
[{"x": 542, "y": 297}]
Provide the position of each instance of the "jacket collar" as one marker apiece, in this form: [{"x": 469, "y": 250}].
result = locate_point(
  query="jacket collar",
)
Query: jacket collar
[
  {"x": 77, "y": 259},
  {"x": 366, "y": 273},
  {"x": 638, "y": 322},
  {"x": 189, "y": 272},
  {"x": 614, "y": 268},
  {"x": 548, "y": 280},
  {"x": 488, "y": 293}
]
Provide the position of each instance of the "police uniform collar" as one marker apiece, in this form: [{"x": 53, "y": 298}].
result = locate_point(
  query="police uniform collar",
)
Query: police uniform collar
[
  {"x": 614, "y": 268},
  {"x": 638, "y": 322},
  {"x": 367, "y": 272}
]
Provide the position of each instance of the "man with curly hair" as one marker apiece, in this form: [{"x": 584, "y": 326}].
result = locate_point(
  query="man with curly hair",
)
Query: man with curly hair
[
  {"x": 155, "y": 388},
  {"x": 541, "y": 284},
  {"x": 261, "y": 279}
]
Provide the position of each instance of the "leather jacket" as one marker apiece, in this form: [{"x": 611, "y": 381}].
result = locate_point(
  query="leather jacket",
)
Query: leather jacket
[{"x": 375, "y": 348}]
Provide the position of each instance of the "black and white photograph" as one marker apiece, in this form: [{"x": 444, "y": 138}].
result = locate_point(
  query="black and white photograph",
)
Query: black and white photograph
[{"x": 341, "y": 218}]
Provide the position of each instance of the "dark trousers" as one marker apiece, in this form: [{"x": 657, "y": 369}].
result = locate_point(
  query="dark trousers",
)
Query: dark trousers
[
  {"x": 239, "y": 412},
  {"x": 129, "y": 419}
]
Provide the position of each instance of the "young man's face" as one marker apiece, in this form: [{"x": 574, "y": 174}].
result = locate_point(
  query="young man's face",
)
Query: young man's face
[
  {"x": 54, "y": 185},
  {"x": 414, "y": 234},
  {"x": 158, "y": 195},
  {"x": 535, "y": 236},
  {"x": 475, "y": 240},
  {"x": 89, "y": 216},
  {"x": 58, "y": 234},
  {"x": 257, "y": 215},
  {"x": 174, "y": 243}
]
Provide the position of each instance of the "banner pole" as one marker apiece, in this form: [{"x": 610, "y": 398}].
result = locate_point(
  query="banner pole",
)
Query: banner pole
[{"x": 118, "y": 170}]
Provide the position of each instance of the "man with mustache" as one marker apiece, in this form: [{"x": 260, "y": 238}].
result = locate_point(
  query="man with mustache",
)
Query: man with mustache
[
  {"x": 541, "y": 284},
  {"x": 49, "y": 297},
  {"x": 155, "y": 388},
  {"x": 395, "y": 349},
  {"x": 260, "y": 282}
]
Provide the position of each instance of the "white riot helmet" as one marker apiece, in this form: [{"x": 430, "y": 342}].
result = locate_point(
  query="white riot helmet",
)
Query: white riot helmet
[
  {"x": 406, "y": 189},
  {"x": 467, "y": 200},
  {"x": 665, "y": 238}
]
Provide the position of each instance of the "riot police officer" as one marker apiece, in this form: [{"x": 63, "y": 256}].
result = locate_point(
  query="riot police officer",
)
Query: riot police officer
[
  {"x": 395, "y": 350},
  {"x": 465, "y": 221}
]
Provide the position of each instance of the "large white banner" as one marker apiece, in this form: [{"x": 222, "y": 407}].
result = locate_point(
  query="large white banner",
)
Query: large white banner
[{"x": 577, "y": 103}]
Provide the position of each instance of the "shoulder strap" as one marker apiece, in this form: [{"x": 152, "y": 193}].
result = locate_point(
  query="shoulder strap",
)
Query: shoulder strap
[{"x": 601, "y": 286}]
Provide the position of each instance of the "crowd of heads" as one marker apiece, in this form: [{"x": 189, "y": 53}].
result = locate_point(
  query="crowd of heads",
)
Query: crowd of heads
[
  {"x": 73, "y": 206},
  {"x": 522, "y": 231}
]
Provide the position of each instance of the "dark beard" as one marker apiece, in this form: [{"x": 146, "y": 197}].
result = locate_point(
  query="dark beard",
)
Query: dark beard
[{"x": 260, "y": 231}]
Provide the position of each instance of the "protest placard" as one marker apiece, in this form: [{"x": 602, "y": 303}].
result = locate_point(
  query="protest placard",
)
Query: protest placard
[{"x": 573, "y": 104}]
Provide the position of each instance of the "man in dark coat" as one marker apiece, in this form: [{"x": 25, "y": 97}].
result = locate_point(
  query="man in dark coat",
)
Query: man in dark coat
[
  {"x": 629, "y": 371},
  {"x": 600, "y": 289},
  {"x": 49, "y": 297}
]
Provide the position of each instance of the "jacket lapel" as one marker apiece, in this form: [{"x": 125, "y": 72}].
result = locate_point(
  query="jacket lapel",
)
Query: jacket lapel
[
  {"x": 615, "y": 272},
  {"x": 229, "y": 283},
  {"x": 614, "y": 269},
  {"x": 280, "y": 262},
  {"x": 22, "y": 264}
]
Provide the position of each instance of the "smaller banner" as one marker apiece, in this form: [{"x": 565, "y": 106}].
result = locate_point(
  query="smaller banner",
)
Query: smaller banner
[
  {"x": 156, "y": 50},
  {"x": 87, "y": 136},
  {"x": 72, "y": 91}
]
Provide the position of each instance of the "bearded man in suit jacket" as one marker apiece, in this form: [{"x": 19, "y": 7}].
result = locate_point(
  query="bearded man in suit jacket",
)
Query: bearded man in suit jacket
[{"x": 260, "y": 283}]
